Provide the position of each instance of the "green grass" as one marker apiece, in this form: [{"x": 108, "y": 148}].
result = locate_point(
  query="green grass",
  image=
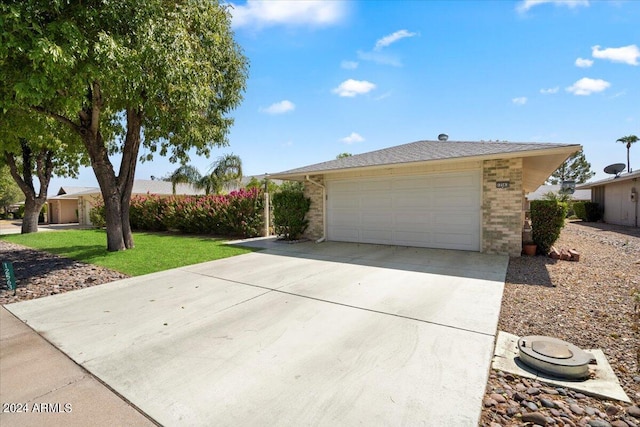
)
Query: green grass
[{"x": 152, "y": 252}]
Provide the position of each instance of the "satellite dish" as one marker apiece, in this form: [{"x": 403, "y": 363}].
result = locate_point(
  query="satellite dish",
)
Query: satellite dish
[
  {"x": 615, "y": 169},
  {"x": 443, "y": 137}
]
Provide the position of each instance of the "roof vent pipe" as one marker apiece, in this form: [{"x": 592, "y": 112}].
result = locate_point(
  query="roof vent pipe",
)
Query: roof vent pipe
[{"x": 443, "y": 137}]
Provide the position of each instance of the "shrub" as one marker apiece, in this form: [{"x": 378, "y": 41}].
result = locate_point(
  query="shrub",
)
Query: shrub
[
  {"x": 588, "y": 211},
  {"x": 146, "y": 213},
  {"x": 97, "y": 214},
  {"x": 19, "y": 213},
  {"x": 290, "y": 208},
  {"x": 547, "y": 219}
]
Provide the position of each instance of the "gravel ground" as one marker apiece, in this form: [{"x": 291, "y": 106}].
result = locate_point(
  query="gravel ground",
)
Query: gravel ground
[
  {"x": 39, "y": 274},
  {"x": 588, "y": 303}
]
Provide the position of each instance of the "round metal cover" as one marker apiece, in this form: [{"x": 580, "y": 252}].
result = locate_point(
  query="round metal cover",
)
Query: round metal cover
[
  {"x": 554, "y": 356},
  {"x": 551, "y": 349}
]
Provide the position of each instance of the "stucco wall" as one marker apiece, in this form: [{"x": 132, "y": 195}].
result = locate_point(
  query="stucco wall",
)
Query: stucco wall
[
  {"x": 618, "y": 207},
  {"x": 315, "y": 214},
  {"x": 502, "y": 212}
]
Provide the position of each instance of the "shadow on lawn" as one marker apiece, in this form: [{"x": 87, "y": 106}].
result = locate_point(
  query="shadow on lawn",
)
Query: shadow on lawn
[{"x": 530, "y": 270}]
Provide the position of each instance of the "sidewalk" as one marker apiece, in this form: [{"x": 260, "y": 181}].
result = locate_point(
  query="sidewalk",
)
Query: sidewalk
[
  {"x": 40, "y": 385},
  {"x": 14, "y": 226}
]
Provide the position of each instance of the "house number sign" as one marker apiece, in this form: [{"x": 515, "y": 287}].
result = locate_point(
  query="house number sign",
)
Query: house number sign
[{"x": 502, "y": 184}]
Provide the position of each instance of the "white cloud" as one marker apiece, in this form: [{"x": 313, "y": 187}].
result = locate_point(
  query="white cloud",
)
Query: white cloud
[
  {"x": 279, "y": 107},
  {"x": 521, "y": 100},
  {"x": 354, "y": 137},
  {"x": 349, "y": 65},
  {"x": 351, "y": 88},
  {"x": 626, "y": 54},
  {"x": 586, "y": 86},
  {"x": 584, "y": 63},
  {"x": 392, "y": 38},
  {"x": 525, "y": 5},
  {"x": 379, "y": 58},
  {"x": 261, "y": 13},
  {"x": 549, "y": 90}
]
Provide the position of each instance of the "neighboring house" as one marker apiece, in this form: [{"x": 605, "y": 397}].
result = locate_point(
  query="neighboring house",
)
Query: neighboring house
[
  {"x": 543, "y": 190},
  {"x": 437, "y": 194},
  {"x": 63, "y": 207},
  {"x": 83, "y": 201},
  {"x": 618, "y": 196}
]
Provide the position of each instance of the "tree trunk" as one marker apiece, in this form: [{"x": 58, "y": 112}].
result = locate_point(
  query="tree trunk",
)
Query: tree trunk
[{"x": 32, "y": 208}]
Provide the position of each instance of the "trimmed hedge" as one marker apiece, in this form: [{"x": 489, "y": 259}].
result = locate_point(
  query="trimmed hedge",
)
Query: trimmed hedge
[
  {"x": 588, "y": 211},
  {"x": 547, "y": 219},
  {"x": 239, "y": 213},
  {"x": 290, "y": 208}
]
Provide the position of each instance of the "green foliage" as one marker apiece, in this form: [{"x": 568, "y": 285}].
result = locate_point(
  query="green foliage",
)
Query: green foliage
[
  {"x": 575, "y": 168},
  {"x": 9, "y": 191},
  {"x": 238, "y": 213},
  {"x": 547, "y": 219},
  {"x": 147, "y": 213},
  {"x": 154, "y": 252},
  {"x": 272, "y": 187},
  {"x": 97, "y": 214},
  {"x": 343, "y": 155},
  {"x": 588, "y": 211},
  {"x": 290, "y": 208}
]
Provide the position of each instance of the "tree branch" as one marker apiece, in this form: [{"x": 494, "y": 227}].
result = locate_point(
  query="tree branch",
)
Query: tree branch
[
  {"x": 96, "y": 105},
  {"x": 13, "y": 168},
  {"x": 58, "y": 117}
]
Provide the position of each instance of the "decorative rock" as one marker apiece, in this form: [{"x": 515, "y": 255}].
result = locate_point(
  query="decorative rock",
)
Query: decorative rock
[
  {"x": 561, "y": 391},
  {"x": 532, "y": 406},
  {"x": 512, "y": 410},
  {"x": 619, "y": 423},
  {"x": 612, "y": 410},
  {"x": 489, "y": 402},
  {"x": 576, "y": 409},
  {"x": 521, "y": 387},
  {"x": 579, "y": 396},
  {"x": 589, "y": 410},
  {"x": 519, "y": 397},
  {"x": 634, "y": 411},
  {"x": 535, "y": 417},
  {"x": 547, "y": 403},
  {"x": 533, "y": 391},
  {"x": 598, "y": 423},
  {"x": 498, "y": 398}
]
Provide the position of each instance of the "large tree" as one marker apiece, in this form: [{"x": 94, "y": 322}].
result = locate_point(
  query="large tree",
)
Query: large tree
[
  {"x": 34, "y": 145},
  {"x": 575, "y": 168},
  {"x": 124, "y": 75},
  {"x": 628, "y": 141}
]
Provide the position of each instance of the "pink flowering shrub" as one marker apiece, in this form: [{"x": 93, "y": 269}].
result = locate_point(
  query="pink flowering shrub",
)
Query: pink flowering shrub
[{"x": 239, "y": 213}]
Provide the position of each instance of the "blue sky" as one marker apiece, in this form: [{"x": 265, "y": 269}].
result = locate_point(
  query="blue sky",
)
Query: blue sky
[{"x": 329, "y": 77}]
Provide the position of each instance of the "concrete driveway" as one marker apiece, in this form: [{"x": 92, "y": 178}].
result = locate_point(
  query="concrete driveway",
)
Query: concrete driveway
[{"x": 304, "y": 334}]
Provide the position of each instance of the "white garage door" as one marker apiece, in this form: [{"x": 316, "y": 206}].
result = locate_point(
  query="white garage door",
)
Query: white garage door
[{"x": 434, "y": 211}]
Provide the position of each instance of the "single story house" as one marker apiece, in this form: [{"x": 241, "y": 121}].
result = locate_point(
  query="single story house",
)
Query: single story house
[
  {"x": 618, "y": 196},
  {"x": 80, "y": 203},
  {"x": 583, "y": 195},
  {"x": 63, "y": 207},
  {"x": 438, "y": 194}
]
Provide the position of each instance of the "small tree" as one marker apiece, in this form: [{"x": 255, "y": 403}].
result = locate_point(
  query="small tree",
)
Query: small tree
[
  {"x": 628, "y": 140},
  {"x": 575, "y": 168},
  {"x": 343, "y": 155},
  {"x": 290, "y": 208}
]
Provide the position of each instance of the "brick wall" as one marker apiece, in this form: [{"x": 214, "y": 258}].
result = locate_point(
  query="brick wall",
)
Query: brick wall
[
  {"x": 315, "y": 214},
  {"x": 502, "y": 213}
]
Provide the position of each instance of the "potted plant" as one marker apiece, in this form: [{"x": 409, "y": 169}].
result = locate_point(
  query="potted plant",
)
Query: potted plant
[{"x": 530, "y": 248}]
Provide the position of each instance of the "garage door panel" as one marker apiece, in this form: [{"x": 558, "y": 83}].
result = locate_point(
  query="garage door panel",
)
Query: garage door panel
[
  {"x": 440, "y": 211},
  {"x": 376, "y": 201},
  {"x": 412, "y": 199},
  {"x": 375, "y": 235}
]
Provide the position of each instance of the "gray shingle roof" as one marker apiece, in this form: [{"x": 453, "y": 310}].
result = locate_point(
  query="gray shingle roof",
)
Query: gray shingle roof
[{"x": 421, "y": 151}]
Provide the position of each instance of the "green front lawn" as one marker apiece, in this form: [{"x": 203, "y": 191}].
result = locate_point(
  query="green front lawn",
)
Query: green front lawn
[{"x": 153, "y": 251}]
